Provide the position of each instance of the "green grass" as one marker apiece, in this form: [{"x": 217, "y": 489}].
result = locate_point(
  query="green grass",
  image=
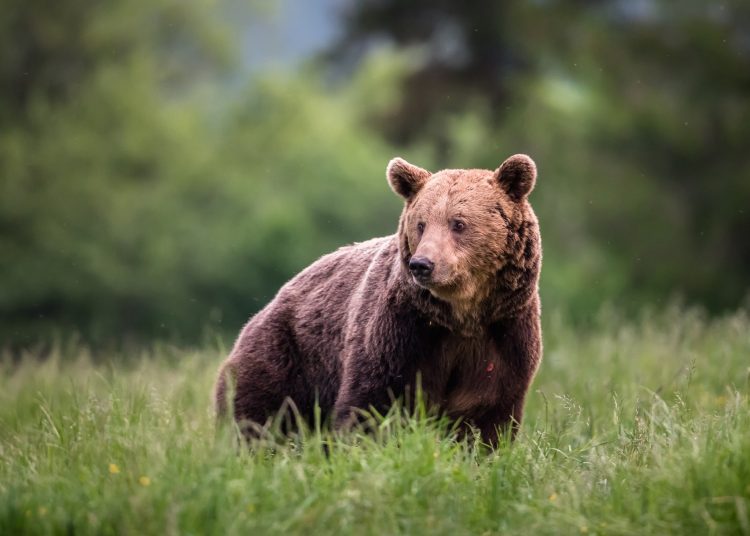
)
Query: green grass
[{"x": 642, "y": 428}]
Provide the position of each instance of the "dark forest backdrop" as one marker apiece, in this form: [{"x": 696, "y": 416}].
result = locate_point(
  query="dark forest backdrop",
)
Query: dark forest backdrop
[{"x": 154, "y": 183}]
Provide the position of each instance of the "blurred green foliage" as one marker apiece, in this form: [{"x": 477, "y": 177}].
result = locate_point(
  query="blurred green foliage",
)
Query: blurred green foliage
[{"x": 150, "y": 189}]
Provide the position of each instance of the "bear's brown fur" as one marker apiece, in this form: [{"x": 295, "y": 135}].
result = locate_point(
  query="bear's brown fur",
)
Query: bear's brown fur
[{"x": 451, "y": 297}]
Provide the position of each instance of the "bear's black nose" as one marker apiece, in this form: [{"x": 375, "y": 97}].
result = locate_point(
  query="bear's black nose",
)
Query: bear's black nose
[{"x": 421, "y": 267}]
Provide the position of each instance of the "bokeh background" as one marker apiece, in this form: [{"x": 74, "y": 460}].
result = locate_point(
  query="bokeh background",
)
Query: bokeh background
[{"x": 165, "y": 165}]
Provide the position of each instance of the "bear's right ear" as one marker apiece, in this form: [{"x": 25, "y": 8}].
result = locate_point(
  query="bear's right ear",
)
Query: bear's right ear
[
  {"x": 517, "y": 176},
  {"x": 405, "y": 179}
]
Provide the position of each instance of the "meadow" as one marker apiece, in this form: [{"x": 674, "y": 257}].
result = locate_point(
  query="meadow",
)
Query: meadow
[{"x": 638, "y": 426}]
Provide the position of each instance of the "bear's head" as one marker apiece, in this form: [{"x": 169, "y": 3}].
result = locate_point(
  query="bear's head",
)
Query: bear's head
[{"x": 467, "y": 235}]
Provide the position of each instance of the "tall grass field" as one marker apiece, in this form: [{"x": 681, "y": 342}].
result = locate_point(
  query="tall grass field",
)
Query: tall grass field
[{"x": 631, "y": 427}]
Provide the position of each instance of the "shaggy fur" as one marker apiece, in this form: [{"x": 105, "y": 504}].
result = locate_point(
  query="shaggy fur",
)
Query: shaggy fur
[{"x": 356, "y": 328}]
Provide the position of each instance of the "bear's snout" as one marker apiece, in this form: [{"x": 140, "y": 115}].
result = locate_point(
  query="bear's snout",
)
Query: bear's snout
[{"x": 421, "y": 267}]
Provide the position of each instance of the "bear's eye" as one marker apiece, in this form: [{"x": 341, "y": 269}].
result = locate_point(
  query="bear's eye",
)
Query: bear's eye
[
  {"x": 420, "y": 227},
  {"x": 458, "y": 226}
]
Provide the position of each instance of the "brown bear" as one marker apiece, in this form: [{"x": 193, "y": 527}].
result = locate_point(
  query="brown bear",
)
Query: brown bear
[{"x": 451, "y": 298}]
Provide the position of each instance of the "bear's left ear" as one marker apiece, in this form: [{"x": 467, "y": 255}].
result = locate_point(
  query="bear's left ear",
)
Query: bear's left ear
[
  {"x": 405, "y": 179},
  {"x": 517, "y": 176}
]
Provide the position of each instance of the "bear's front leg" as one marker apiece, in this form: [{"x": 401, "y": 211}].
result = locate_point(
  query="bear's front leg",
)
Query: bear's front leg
[
  {"x": 366, "y": 384},
  {"x": 380, "y": 361},
  {"x": 517, "y": 342},
  {"x": 502, "y": 419}
]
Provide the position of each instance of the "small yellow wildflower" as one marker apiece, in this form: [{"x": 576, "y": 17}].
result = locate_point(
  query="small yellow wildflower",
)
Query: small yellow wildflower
[
  {"x": 113, "y": 469},
  {"x": 144, "y": 481},
  {"x": 584, "y": 529},
  {"x": 553, "y": 497},
  {"x": 42, "y": 511},
  {"x": 251, "y": 508}
]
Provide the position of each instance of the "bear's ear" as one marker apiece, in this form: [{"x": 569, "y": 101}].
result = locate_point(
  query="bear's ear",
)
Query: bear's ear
[
  {"x": 517, "y": 176},
  {"x": 405, "y": 179}
]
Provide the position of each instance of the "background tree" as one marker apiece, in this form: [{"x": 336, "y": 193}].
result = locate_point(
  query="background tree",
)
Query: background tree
[{"x": 154, "y": 186}]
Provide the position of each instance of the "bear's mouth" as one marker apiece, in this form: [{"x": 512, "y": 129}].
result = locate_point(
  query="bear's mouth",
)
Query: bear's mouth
[
  {"x": 423, "y": 281},
  {"x": 439, "y": 289}
]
